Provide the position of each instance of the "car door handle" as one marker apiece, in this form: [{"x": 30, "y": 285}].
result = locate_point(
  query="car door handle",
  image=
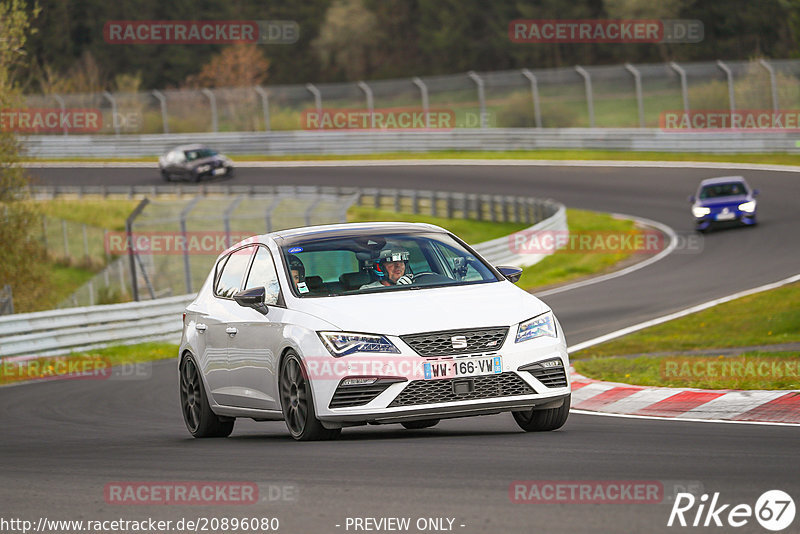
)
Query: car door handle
[
  {"x": 200, "y": 327},
  {"x": 231, "y": 331}
]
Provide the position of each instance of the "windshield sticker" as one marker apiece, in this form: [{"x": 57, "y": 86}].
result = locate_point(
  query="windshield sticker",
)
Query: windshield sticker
[
  {"x": 302, "y": 288},
  {"x": 295, "y": 250}
]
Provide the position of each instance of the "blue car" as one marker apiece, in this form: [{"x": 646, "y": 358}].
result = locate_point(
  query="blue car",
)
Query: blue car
[{"x": 724, "y": 201}]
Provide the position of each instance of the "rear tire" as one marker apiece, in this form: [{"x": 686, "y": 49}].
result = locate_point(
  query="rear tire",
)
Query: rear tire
[
  {"x": 297, "y": 403},
  {"x": 543, "y": 420},
  {"x": 166, "y": 176},
  {"x": 418, "y": 425},
  {"x": 200, "y": 420}
]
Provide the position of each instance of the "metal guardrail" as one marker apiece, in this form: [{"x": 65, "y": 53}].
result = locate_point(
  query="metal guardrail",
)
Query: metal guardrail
[
  {"x": 65, "y": 330},
  {"x": 472, "y": 139},
  {"x": 61, "y": 331}
]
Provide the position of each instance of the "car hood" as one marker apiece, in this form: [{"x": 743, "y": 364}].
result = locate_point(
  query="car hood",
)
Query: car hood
[
  {"x": 724, "y": 201},
  {"x": 426, "y": 310}
]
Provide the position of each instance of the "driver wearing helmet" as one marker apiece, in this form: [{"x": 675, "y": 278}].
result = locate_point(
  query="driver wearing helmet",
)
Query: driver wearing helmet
[
  {"x": 390, "y": 268},
  {"x": 297, "y": 269}
]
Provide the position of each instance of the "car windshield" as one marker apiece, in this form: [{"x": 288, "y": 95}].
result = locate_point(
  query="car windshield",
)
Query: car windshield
[
  {"x": 199, "y": 153},
  {"x": 381, "y": 262},
  {"x": 722, "y": 190}
]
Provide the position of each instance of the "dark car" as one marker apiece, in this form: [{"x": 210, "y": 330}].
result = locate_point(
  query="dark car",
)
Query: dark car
[
  {"x": 193, "y": 162},
  {"x": 728, "y": 200}
]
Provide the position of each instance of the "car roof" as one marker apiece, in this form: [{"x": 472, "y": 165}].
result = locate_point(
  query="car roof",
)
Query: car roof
[
  {"x": 188, "y": 147},
  {"x": 351, "y": 229},
  {"x": 722, "y": 180}
]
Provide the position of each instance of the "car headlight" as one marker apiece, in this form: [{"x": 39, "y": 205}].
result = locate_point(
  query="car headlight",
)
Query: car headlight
[
  {"x": 700, "y": 211},
  {"x": 204, "y": 168},
  {"x": 749, "y": 207},
  {"x": 344, "y": 343},
  {"x": 539, "y": 326}
]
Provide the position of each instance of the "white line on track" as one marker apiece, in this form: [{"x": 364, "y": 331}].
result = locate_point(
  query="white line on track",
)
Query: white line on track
[
  {"x": 654, "y": 418},
  {"x": 681, "y": 313},
  {"x": 673, "y": 242}
]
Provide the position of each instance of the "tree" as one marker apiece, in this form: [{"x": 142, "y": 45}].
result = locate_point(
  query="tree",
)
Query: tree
[
  {"x": 21, "y": 255},
  {"x": 347, "y": 39},
  {"x": 239, "y": 65}
]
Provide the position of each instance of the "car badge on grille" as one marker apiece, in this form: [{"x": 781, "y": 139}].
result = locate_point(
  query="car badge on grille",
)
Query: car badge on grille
[
  {"x": 459, "y": 342},
  {"x": 491, "y": 343}
]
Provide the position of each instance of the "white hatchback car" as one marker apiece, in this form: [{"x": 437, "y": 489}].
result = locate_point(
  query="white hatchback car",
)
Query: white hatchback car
[{"x": 351, "y": 324}]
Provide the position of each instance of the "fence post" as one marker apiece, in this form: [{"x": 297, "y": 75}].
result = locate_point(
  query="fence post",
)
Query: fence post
[
  {"x": 481, "y": 95},
  {"x": 537, "y": 112},
  {"x": 163, "y": 103},
  {"x": 264, "y": 107},
  {"x": 311, "y": 207},
  {"x": 226, "y": 217},
  {"x": 414, "y": 202},
  {"x": 423, "y": 91},
  {"x": 396, "y": 198},
  {"x": 637, "y": 82},
  {"x": 317, "y": 100},
  {"x": 85, "y": 244},
  {"x": 370, "y": 102},
  {"x": 187, "y": 271},
  {"x": 772, "y": 83},
  {"x": 63, "y": 106},
  {"x": 433, "y": 203},
  {"x": 684, "y": 85},
  {"x": 44, "y": 231},
  {"x": 729, "y": 75},
  {"x": 66, "y": 238},
  {"x": 270, "y": 209},
  {"x": 114, "y": 118},
  {"x": 212, "y": 99},
  {"x": 131, "y": 253},
  {"x": 587, "y": 83}
]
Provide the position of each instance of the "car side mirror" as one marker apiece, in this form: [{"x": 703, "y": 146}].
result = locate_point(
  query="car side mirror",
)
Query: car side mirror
[
  {"x": 253, "y": 298},
  {"x": 512, "y": 274},
  {"x": 692, "y": 199}
]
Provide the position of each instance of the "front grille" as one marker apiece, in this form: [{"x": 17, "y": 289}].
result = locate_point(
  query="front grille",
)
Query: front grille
[
  {"x": 349, "y": 396},
  {"x": 553, "y": 377},
  {"x": 485, "y": 387},
  {"x": 441, "y": 343}
]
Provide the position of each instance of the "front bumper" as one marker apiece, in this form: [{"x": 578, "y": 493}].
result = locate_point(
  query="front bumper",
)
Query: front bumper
[
  {"x": 401, "y": 393},
  {"x": 718, "y": 218}
]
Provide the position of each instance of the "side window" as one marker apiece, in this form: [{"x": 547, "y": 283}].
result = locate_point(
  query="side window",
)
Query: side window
[
  {"x": 262, "y": 274},
  {"x": 230, "y": 279}
]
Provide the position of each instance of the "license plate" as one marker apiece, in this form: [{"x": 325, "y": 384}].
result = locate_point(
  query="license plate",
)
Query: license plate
[
  {"x": 218, "y": 171},
  {"x": 726, "y": 216},
  {"x": 463, "y": 367}
]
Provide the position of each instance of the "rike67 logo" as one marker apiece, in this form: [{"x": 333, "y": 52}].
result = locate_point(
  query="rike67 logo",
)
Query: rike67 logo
[{"x": 774, "y": 510}]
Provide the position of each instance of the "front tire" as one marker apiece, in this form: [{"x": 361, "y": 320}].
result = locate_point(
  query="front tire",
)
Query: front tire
[
  {"x": 197, "y": 414},
  {"x": 297, "y": 403},
  {"x": 543, "y": 420}
]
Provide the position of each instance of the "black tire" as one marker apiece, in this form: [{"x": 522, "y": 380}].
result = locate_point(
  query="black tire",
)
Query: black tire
[
  {"x": 297, "y": 403},
  {"x": 543, "y": 420},
  {"x": 197, "y": 414},
  {"x": 166, "y": 176},
  {"x": 230, "y": 172},
  {"x": 418, "y": 425}
]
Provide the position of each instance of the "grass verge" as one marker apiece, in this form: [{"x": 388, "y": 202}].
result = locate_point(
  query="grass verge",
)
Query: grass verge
[
  {"x": 750, "y": 370},
  {"x": 767, "y": 318},
  {"x": 611, "y": 155}
]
